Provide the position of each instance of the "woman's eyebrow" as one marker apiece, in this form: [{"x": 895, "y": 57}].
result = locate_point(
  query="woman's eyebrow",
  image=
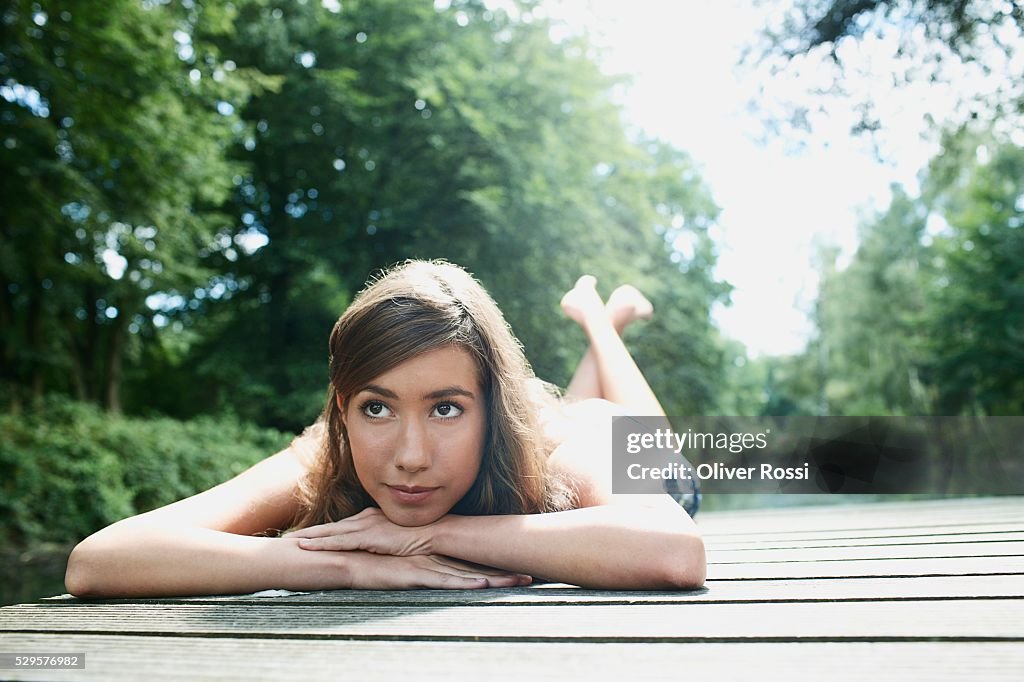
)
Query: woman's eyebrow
[
  {"x": 445, "y": 392},
  {"x": 380, "y": 390},
  {"x": 449, "y": 392}
]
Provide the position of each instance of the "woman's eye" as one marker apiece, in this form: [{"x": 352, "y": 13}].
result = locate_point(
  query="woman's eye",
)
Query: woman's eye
[
  {"x": 376, "y": 409},
  {"x": 447, "y": 410}
]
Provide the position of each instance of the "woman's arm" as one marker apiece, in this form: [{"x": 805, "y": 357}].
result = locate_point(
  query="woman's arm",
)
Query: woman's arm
[
  {"x": 199, "y": 545},
  {"x": 138, "y": 559},
  {"x": 615, "y": 546},
  {"x": 612, "y": 542},
  {"x": 205, "y": 545},
  {"x": 609, "y": 546}
]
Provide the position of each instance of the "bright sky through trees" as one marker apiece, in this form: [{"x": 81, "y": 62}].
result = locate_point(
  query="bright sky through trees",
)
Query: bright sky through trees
[{"x": 779, "y": 194}]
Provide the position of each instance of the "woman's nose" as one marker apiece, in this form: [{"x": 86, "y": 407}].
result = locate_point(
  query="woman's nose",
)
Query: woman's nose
[{"x": 413, "y": 451}]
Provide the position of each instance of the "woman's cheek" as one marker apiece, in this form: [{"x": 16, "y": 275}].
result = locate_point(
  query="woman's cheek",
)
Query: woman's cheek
[
  {"x": 369, "y": 454},
  {"x": 471, "y": 450}
]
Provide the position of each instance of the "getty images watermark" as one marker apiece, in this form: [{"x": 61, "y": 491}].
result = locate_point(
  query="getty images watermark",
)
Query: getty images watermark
[{"x": 937, "y": 455}]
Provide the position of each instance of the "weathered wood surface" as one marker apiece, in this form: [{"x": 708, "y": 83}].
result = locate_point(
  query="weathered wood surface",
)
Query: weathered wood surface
[
  {"x": 154, "y": 658},
  {"x": 728, "y": 591},
  {"x": 977, "y": 619},
  {"x": 919, "y": 590}
]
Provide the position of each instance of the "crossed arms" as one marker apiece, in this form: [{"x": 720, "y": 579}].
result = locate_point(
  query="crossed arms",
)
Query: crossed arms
[{"x": 206, "y": 544}]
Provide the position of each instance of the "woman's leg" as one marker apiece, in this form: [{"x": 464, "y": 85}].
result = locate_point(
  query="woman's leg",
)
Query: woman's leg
[
  {"x": 586, "y": 383},
  {"x": 625, "y": 306},
  {"x": 607, "y": 370}
]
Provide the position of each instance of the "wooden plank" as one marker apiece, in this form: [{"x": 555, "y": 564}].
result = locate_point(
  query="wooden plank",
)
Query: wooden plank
[
  {"x": 868, "y": 567},
  {"x": 867, "y": 534},
  {"x": 782, "y": 532},
  {"x": 757, "y": 542},
  {"x": 118, "y": 658},
  {"x": 964, "y": 505},
  {"x": 717, "y": 591},
  {"x": 947, "y": 587},
  {"x": 757, "y": 525},
  {"x": 977, "y": 619},
  {"x": 960, "y": 504},
  {"x": 864, "y": 516},
  {"x": 960, "y": 549}
]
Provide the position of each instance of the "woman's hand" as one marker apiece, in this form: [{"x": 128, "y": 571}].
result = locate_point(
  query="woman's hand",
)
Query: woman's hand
[
  {"x": 383, "y": 555},
  {"x": 381, "y": 572},
  {"x": 369, "y": 531}
]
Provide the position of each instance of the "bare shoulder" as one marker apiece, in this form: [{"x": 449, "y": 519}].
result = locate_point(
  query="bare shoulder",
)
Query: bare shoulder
[
  {"x": 585, "y": 454},
  {"x": 261, "y": 499}
]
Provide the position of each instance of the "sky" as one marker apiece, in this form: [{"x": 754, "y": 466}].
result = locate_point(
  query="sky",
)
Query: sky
[{"x": 778, "y": 198}]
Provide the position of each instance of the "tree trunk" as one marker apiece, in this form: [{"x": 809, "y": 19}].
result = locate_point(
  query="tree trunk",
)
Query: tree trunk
[
  {"x": 8, "y": 356},
  {"x": 74, "y": 352},
  {"x": 90, "y": 346},
  {"x": 35, "y": 341},
  {"x": 114, "y": 363}
]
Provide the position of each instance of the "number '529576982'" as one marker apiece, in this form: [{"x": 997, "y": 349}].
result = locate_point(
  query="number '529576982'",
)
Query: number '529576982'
[{"x": 12, "y": 660}]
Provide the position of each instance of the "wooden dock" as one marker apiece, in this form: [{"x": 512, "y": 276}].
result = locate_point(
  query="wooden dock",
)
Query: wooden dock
[{"x": 893, "y": 591}]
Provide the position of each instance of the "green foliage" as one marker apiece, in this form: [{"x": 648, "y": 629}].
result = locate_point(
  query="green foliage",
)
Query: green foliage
[
  {"x": 960, "y": 23},
  {"x": 405, "y": 132},
  {"x": 250, "y": 164},
  {"x": 976, "y": 321},
  {"x": 113, "y": 131},
  {"x": 928, "y": 317},
  {"x": 975, "y": 44},
  {"x": 870, "y": 318},
  {"x": 68, "y": 469}
]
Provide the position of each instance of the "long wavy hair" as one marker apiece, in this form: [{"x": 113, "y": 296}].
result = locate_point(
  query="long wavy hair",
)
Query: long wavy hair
[{"x": 413, "y": 308}]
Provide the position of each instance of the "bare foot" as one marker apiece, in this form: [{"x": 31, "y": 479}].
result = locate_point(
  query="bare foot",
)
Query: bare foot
[
  {"x": 582, "y": 302},
  {"x": 626, "y": 305}
]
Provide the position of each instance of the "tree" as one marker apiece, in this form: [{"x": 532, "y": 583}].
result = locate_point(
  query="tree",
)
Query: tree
[
  {"x": 401, "y": 131},
  {"x": 870, "y": 318},
  {"x": 976, "y": 321},
  {"x": 972, "y": 44},
  {"x": 926, "y": 319},
  {"x": 202, "y": 188},
  {"x": 114, "y": 173}
]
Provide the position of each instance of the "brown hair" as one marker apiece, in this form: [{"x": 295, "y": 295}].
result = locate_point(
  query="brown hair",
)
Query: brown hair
[{"x": 416, "y": 307}]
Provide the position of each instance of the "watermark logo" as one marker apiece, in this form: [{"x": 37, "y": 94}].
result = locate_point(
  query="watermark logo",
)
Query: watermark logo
[{"x": 937, "y": 455}]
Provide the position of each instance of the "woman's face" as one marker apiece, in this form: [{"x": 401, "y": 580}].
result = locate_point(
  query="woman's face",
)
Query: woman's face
[{"x": 417, "y": 435}]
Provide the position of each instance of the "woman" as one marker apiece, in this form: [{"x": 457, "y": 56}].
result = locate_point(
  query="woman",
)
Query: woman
[{"x": 439, "y": 462}]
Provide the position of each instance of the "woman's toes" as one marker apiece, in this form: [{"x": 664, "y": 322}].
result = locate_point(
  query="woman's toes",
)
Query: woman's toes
[
  {"x": 582, "y": 300},
  {"x": 627, "y": 304},
  {"x": 587, "y": 281}
]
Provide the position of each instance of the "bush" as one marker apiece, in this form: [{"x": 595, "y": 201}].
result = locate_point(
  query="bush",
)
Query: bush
[{"x": 68, "y": 469}]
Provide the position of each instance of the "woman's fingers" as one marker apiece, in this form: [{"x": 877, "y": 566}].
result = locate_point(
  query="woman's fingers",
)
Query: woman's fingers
[
  {"x": 510, "y": 580},
  {"x": 333, "y": 542},
  {"x": 439, "y": 580},
  {"x": 445, "y": 580},
  {"x": 433, "y": 571},
  {"x": 476, "y": 568},
  {"x": 326, "y": 529},
  {"x": 382, "y": 571},
  {"x": 320, "y": 531},
  {"x": 354, "y": 522},
  {"x": 495, "y": 577}
]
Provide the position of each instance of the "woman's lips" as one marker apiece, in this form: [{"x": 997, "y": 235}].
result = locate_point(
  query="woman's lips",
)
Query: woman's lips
[{"x": 410, "y": 494}]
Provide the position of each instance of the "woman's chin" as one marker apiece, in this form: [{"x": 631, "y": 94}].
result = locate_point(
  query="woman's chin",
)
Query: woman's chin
[{"x": 411, "y": 519}]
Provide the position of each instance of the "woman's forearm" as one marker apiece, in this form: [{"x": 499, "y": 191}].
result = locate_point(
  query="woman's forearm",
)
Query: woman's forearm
[
  {"x": 611, "y": 547},
  {"x": 145, "y": 560}
]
